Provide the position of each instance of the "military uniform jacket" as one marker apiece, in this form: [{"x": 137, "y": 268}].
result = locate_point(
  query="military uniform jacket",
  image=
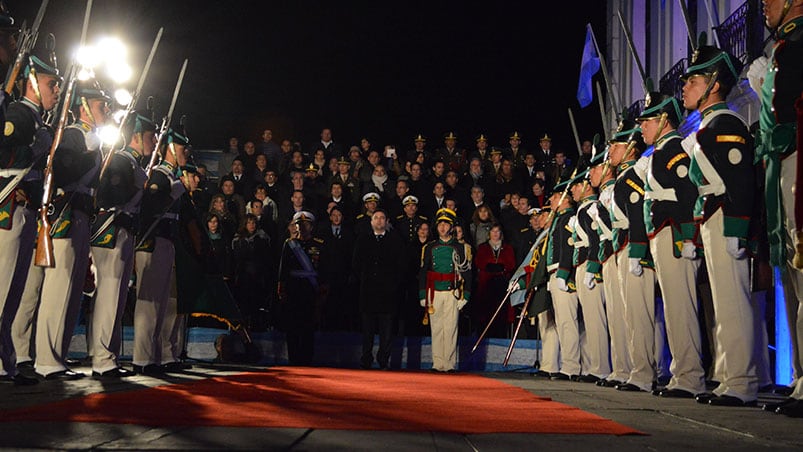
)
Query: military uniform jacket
[
  {"x": 454, "y": 159},
  {"x": 16, "y": 153},
  {"x": 628, "y": 213},
  {"x": 602, "y": 217},
  {"x": 560, "y": 250},
  {"x": 406, "y": 226},
  {"x": 119, "y": 194},
  {"x": 159, "y": 205},
  {"x": 585, "y": 237},
  {"x": 300, "y": 282},
  {"x": 722, "y": 169},
  {"x": 669, "y": 193},
  {"x": 439, "y": 256}
]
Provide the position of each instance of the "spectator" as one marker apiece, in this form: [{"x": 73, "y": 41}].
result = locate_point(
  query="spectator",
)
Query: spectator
[
  {"x": 250, "y": 253},
  {"x": 481, "y": 223},
  {"x": 270, "y": 149},
  {"x": 494, "y": 263},
  {"x": 226, "y": 220}
]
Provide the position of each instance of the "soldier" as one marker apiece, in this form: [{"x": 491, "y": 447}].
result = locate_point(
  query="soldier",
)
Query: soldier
[
  {"x": 633, "y": 260},
  {"x": 602, "y": 177},
  {"x": 778, "y": 82},
  {"x": 481, "y": 152},
  {"x": 412, "y": 155},
  {"x": 544, "y": 155},
  {"x": 302, "y": 281},
  {"x": 561, "y": 283},
  {"x": 454, "y": 158},
  {"x": 594, "y": 344},
  {"x": 669, "y": 201},
  {"x": 722, "y": 168},
  {"x": 444, "y": 288},
  {"x": 407, "y": 223},
  {"x": 515, "y": 153},
  {"x": 362, "y": 224},
  {"x": 118, "y": 197},
  {"x": 75, "y": 166},
  {"x": 25, "y": 141},
  {"x": 155, "y": 255}
]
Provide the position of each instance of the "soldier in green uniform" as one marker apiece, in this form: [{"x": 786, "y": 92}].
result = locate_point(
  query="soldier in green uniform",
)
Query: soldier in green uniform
[
  {"x": 722, "y": 169},
  {"x": 669, "y": 207},
  {"x": 444, "y": 288},
  {"x": 25, "y": 141},
  {"x": 75, "y": 169}
]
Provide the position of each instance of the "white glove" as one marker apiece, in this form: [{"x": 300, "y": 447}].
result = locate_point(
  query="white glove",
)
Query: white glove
[
  {"x": 689, "y": 250},
  {"x": 635, "y": 266},
  {"x": 562, "y": 286},
  {"x": 732, "y": 247},
  {"x": 589, "y": 281},
  {"x": 460, "y": 303},
  {"x": 757, "y": 72},
  {"x": 423, "y": 303},
  {"x": 513, "y": 286}
]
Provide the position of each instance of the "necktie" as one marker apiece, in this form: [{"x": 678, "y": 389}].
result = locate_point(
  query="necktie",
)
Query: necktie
[{"x": 337, "y": 232}]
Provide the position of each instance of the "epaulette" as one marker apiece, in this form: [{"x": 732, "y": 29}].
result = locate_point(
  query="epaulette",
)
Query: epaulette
[
  {"x": 360, "y": 216},
  {"x": 398, "y": 217},
  {"x": 319, "y": 240},
  {"x": 524, "y": 230},
  {"x": 423, "y": 218}
]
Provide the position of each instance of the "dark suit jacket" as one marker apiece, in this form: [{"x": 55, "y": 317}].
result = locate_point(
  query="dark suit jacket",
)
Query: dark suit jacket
[{"x": 378, "y": 267}]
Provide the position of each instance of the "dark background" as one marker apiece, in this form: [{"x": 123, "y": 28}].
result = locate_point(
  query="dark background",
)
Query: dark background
[{"x": 380, "y": 70}]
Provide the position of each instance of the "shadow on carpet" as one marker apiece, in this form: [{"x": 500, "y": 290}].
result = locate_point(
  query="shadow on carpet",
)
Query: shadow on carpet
[{"x": 326, "y": 398}]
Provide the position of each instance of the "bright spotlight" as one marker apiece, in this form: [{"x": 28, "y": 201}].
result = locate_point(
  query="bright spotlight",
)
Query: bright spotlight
[
  {"x": 85, "y": 74},
  {"x": 109, "y": 134},
  {"x": 119, "y": 72},
  {"x": 122, "y": 96},
  {"x": 88, "y": 57},
  {"x": 112, "y": 49},
  {"x": 118, "y": 115}
]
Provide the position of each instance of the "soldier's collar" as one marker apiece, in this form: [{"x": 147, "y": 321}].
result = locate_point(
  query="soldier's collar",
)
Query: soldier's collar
[
  {"x": 625, "y": 165},
  {"x": 712, "y": 108},
  {"x": 787, "y": 28},
  {"x": 589, "y": 198},
  {"x": 451, "y": 240},
  {"x": 569, "y": 209},
  {"x": 31, "y": 104},
  {"x": 607, "y": 184},
  {"x": 168, "y": 165},
  {"x": 85, "y": 126},
  {"x": 661, "y": 141},
  {"x": 133, "y": 152}
]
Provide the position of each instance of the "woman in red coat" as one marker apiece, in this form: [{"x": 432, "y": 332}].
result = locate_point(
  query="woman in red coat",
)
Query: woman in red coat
[{"x": 495, "y": 263}]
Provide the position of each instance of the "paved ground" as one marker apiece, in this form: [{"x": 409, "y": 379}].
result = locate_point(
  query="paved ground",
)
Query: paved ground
[{"x": 671, "y": 424}]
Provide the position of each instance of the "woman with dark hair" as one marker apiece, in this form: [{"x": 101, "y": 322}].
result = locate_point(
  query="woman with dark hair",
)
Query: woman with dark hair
[
  {"x": 480, "y": 226},
  {"x": 411, "y": 314},
  {"x": 495, "y": 263},
  {"x": 227, "y": 221},
  {"x": 219, "y": 261},
  {"x": 251, "y": 257}
]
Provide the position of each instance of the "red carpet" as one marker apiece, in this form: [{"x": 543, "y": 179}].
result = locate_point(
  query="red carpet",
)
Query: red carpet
[{"x": 324, "y": 398}]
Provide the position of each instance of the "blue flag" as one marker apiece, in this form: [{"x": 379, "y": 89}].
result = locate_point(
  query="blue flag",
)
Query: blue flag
[{"x": 588, "y": 67}]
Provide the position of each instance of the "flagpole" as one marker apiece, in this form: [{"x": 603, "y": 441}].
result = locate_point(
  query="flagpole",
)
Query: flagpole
[{"x": 604, "y": 68}]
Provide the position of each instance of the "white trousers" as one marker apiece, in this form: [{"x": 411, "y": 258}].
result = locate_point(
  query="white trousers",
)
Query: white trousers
[
  {"x": 677, "y": 277},
  {"x": 443, "y": 324},
  {"x": 154, "y": 275},
  {"x": 733, "y": 313},
  {"x": 566, "y": 305},
  {"x": 550, "y": 346},
  {"x": 596, "y": 343},
  {"x": 23, "y": 326},
  {"x": 617, "y": 326},
  {"x": 639, "y": 295}
]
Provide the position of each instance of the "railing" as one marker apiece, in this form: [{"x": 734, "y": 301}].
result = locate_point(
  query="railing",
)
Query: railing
[
  {"x": 742, "y": 34},
  {"x": 670, "y": 83},
  {"x": 635, "y": 109}
]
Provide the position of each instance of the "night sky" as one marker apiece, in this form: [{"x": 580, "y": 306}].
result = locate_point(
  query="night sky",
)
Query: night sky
[{"x": 380, "y": 70}]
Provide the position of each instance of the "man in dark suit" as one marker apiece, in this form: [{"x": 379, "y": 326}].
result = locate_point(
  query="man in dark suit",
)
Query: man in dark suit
[
  {"x": 377, "y": 267},
  {"x": 340, "y": 311}
]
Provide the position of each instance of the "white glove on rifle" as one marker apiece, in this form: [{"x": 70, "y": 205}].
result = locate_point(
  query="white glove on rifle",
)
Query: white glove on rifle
[
  {"x": 689, "y": 250},
  {"x": 460, "y": 303},
  {"x": 513, "y": 286},
  {"x": 732, "y": 247},
  {"x": 423, "y": 303},
  {"x": 589, "y": 280},
  {"x": 756, "y": 73},
  {"x": 562, "y": 286},
  {"x": 635, "y": 266}
]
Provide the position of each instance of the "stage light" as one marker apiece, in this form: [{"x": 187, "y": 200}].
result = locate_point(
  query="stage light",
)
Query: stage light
[
  {"x": 118, "y": 115},
  {"x": 109, "y": 134},
  {"x": 119, "y": 72},
  {"x": 122, "y": 96}
]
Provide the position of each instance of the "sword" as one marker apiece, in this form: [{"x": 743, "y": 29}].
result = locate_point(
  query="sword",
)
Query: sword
[{"x": 166, "y": 120}]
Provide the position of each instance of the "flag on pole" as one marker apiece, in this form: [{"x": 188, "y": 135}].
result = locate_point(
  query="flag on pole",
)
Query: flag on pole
[{"x": 589, "y": 66}]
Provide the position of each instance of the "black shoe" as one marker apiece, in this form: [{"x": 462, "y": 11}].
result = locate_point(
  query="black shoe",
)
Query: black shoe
[
  {"x": 72, "y": 362},
  {"x": 65, "y": 375},
  {"x": 19, "y": 380},
  {"x": 662, "y": 381},
  {"x": 559, "y": 376},
  {"x": 150, "y": 369},
  {"x": 25, "y": 365},
  {"x": 726, "y": 400},
  {"x": 704, "y": 397},
  {"x": 656, "y": 392},
  {"x": 773, "y": 407},
  {"x": 628, "y": 387},
  {"x": 176, "y": 366},
  {"x": 793, "y": 409},
  {"x": 113, "y": 373},
  {"x": 589, "y": 378},
  {"x": 541, "y": 373},
  {"x": 610, "y": 383},
  {"x": 675, "y": 394},
  {"x": 785, "y": 391}
]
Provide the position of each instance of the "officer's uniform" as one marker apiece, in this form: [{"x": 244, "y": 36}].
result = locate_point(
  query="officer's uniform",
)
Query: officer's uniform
[
  {"x": 669, "y": 207},
  {"x": 112, "y": 244},
  {"x": 407, "y": 226},
  {"x": 75, "y": 167},
  {"x": 362, "y": 224},
  {"x": 595, "y": 345},
  {"x": 560, "y": 251},
  {"x": 638, "y": 291},
  {"x": 24, "y": 142},
  {"x": 444, "y": 286},
  {"x": 722, "y": 169},
  {"x": 154, "y": 314},
  {"x": 454, "y": 159},
  {"x": 776, "y": 143},
  {"x": 516, "y": 155}
]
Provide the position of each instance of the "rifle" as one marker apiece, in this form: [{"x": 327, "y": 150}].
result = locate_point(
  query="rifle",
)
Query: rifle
[
  {"x": 133, "y": 102},
  {"x": 27, "y": 40},
  {"x": 632, "y": 47},
  {"x": 44, "y": 241},
  {"x": 166, "y": 121}
]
